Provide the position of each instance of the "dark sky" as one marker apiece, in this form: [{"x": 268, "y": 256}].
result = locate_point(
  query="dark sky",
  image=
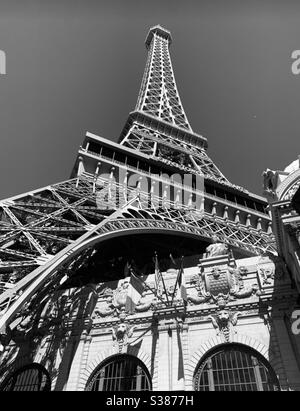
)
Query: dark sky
[{"x": 76, "y": 66}]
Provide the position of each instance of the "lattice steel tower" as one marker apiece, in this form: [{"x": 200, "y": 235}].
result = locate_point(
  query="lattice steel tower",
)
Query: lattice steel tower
[{"x": 158, "y": 179}]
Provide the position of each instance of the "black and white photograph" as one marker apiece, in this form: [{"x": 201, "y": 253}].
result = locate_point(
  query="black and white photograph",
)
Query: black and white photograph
[{"x": 149, "y": 198}]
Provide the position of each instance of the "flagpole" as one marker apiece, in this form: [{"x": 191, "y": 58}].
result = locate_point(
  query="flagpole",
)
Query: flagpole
[
  {"x": 147, "y": 286},
  {"x": 157, "y": 267},
  {"x": 177, "y": 279}
]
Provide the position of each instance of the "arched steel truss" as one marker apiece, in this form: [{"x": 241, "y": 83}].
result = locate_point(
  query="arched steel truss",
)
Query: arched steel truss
[{"x": 58, "y": 223}]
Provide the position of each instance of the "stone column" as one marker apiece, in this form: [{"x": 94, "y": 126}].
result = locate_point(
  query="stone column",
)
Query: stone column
[
  {"x": 163, "y": 362},
  {"x": 76, "y": 367},
  {"x": 84, "y": 362}
]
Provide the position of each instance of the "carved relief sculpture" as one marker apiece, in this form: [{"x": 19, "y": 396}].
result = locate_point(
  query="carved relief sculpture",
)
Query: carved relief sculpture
[
  {"x": 219, "y": 285},
  {"x": 121, "y": 334},
  {"x": 224, "y": 322}
]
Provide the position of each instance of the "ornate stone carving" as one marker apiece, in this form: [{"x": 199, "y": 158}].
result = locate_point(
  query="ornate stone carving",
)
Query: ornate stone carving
[
  {"x": 120, "y": 294},
  {"x": 220, "y": 285},
  {"x": 271, "y": 268},
  {"x": 105, "y": 308},
  {"x": 218, "y": 280},
  {"x": 198, "y": 293},
  {"x": 216, "y": 272},
  {"x": 238, "y": 289},
  {"x": 145, "y": 303},
  {"x": 121, "y": 334},
  {"x": 112, "y": 300},
  {"x": 224, "y": 322},
  {"x": 267, "y": 275},
  {"x": 292, "y": 191},
  {"x": 266, "y": 271}
]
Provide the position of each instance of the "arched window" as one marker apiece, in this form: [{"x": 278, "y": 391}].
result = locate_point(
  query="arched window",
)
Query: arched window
[
  {"x": 32, "y": 377},
  {"x": 120, "y": 373},
  {"x": 235, "y": 367}
]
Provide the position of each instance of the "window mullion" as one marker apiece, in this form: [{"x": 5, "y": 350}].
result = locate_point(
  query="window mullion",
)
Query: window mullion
[
  {"x": 210, "y": 375},
  {"x": 257, "y": 374},
  {"x": 138, "y": 378},
  {"x": 101, "y": 380}
]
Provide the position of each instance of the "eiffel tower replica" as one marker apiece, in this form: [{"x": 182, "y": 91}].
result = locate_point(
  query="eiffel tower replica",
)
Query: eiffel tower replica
[{"x": 156, "y": 188}]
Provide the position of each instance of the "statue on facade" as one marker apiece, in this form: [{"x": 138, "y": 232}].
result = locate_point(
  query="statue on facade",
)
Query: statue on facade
[
  {"x": 270, "y": 181},
  {"x": 216, "y": 248}
]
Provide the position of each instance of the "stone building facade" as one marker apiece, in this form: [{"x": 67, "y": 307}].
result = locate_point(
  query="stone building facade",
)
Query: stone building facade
[{"x": 231, "y": 303}]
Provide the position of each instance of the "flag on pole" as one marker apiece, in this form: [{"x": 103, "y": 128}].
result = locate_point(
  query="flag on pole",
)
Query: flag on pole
[
  {"x": 135, "y": 291},
  {"x": 158, "y": 280},
  {"x": 158, "y": 276},
  {"x": 172, "y": 260},
  {"x": 137, "y": 285},
  {"x": 181, "y": 282},
  {"x": 127, "y": 269}
]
